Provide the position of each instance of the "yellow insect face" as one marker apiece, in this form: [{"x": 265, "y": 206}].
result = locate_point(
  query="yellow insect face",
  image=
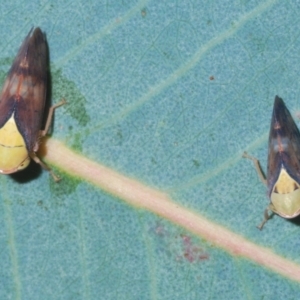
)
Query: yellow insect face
[
  {"x": 285, "y": 197},
  {"x": 13, "y": 153}
]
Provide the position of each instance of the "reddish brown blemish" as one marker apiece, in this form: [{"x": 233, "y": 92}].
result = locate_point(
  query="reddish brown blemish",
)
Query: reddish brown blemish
[
  {"x": 193, "y": 253},
  {"x": 19, "y": 87},
  {"x": 280, "y": 148},
  {"x": 277, "y": 126}
]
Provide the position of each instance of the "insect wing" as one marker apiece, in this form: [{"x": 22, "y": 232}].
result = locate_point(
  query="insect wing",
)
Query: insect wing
[
  {"x": 284, "y": 162},
  {"x": 24, "y": 91}
]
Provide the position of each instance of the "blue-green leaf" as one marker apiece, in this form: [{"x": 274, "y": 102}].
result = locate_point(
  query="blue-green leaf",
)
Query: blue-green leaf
[{"x": 168, "y": 94}]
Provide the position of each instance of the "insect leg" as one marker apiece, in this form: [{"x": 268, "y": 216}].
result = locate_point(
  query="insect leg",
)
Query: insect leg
[
  {"x": 266, "y": 218},
  {"x": 44, "y": 166},
  {"x": 257, "y": 167},
  {"x": 50, "y": 117}
]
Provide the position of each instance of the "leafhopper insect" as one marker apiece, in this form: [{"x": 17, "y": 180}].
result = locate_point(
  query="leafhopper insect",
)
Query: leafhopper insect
[
  {"x": 283, "y": 175},
  {"x": 22, "y": 104}
]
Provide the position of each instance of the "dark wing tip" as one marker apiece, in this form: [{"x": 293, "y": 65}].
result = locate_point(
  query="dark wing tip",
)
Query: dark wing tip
[
  {"x": 35, "y": 33},
  {"x": 32, "y": 57},
  {"x": 277, "y": 100},
  {"x": 279, "y": 104},
  {"x": 35, "y": 36}
]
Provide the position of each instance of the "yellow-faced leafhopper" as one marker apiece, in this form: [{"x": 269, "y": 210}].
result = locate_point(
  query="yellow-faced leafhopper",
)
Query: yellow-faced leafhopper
[
  {"x": 22, "y": 103},
  {"x": 283, "y": 176}
]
